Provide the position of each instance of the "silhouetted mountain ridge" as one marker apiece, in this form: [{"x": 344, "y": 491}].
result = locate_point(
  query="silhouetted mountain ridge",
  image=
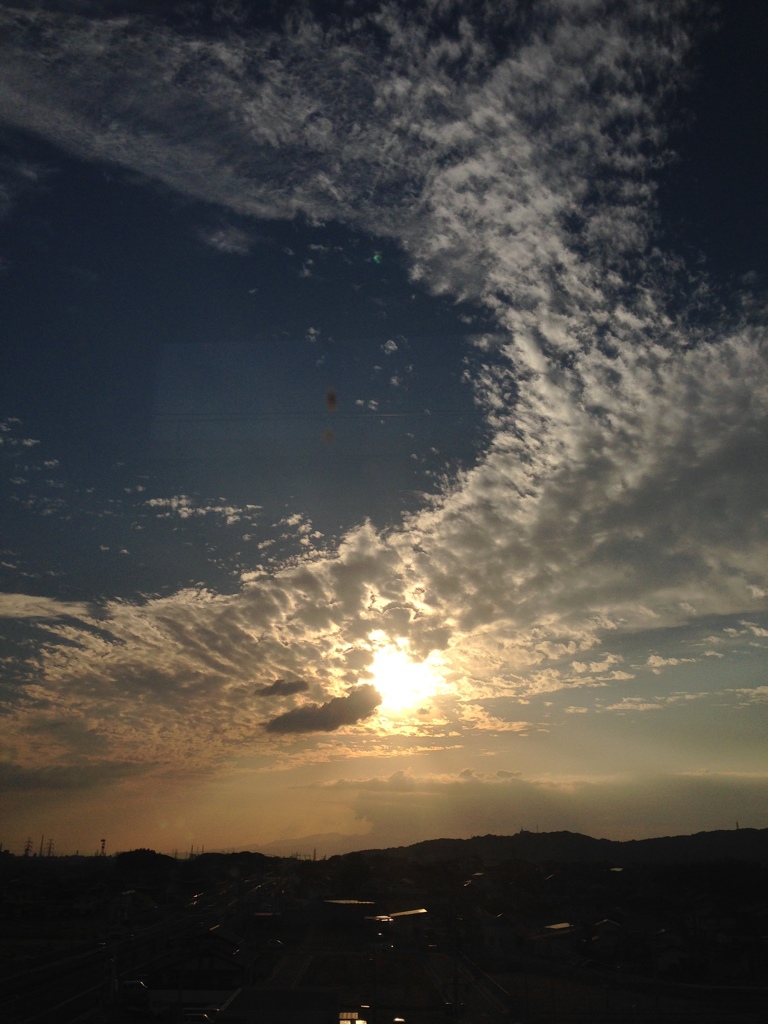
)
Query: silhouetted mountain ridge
[{"x": 745, "y": 844}]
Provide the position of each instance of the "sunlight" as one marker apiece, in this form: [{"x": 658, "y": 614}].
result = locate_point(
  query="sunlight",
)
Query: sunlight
[{"x": 402, "y": 683}]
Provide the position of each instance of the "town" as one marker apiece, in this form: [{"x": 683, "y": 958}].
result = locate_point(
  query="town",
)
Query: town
[{"x": 408, "y": 935}]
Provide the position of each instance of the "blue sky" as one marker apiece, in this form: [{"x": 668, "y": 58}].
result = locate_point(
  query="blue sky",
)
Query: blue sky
[{"x": 383, "y": 413}]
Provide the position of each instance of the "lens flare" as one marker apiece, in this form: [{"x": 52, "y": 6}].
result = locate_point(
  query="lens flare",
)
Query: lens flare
[{"x": 402, "y": 683}]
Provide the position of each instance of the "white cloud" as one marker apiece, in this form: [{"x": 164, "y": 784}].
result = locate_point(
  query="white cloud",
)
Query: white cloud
[
  {"x": 634, "y": 704},
  {"x": 755, "y": 629},
  {"x": 183, "y": 507},
  {"x": 657, "y": 663}
]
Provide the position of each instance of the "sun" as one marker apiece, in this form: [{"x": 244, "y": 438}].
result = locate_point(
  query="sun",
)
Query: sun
[{"x": 402, "y": 683}]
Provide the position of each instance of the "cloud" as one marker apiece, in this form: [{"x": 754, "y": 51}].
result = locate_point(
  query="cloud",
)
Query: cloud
[
  {"x": 755, "y": 629},
  {"x": 282, "y": 687},
  {"x": 95, "y": 775},
  {"x": 479, "y": 718},
  {"x": 18, "y": 177},
  {"x": 335, "y": 713},
  {"x": 752, "y": 695},
  {"x": 375, "y": 119},
  {"x": 227, "y": 239},
  {"x": 657, "y": 663},
  {"x": 184, "y": 507},
  {"x": 634, "y": 704},
  {"x": 24, "y": 606}
]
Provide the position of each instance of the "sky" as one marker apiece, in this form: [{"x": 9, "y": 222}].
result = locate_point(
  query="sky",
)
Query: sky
[{"x": 383, "y": 418}]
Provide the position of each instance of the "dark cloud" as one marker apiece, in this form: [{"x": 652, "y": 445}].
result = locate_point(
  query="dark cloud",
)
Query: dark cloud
[
  {"x": 339, "y": 711},
  {"x": 90, "y": 775},
  {"x": 282, "y": 687}
]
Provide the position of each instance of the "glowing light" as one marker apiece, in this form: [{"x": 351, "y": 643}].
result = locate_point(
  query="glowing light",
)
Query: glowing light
[{"x": 402, "y": 683}]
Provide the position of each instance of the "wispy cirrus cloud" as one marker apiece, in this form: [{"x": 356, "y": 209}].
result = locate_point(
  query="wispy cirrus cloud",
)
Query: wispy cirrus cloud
[{"x": 24, "y": 606}]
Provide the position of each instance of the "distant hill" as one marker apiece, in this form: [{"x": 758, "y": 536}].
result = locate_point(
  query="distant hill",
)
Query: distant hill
[
  {"x": 745, "y": 845},
  {"x": 324, "y": 844}
]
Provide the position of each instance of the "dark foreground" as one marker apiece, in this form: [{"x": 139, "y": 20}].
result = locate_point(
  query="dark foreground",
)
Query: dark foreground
[{"x": 248, "y": 939}]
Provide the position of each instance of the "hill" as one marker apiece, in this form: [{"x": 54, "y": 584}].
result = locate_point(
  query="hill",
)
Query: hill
[{"x": 745, "y": 845}]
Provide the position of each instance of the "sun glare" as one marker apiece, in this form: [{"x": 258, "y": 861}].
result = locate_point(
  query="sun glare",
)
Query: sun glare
[{"x": 402, "y": 683}]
